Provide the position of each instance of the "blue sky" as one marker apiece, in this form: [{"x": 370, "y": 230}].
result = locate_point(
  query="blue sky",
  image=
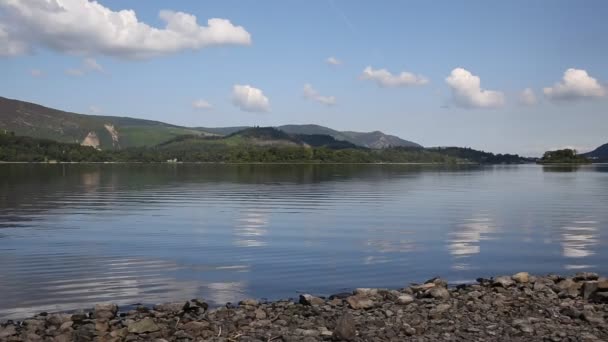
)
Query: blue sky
[{"x": 284, "y": 45}]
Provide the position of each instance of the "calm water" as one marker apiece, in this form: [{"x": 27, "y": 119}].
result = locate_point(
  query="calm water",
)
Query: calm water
[{"x": 73, "y": 235}]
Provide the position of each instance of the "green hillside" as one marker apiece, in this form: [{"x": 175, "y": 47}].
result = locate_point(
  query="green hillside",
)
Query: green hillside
[
  {"x": 29, "y": 119},
  {"x": 113, "y": 132}
]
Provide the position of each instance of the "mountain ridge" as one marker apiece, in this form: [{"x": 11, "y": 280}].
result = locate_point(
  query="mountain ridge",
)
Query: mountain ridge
[
  {"x": 599, "y": 154},
  {"x": 116, "y": 132}
]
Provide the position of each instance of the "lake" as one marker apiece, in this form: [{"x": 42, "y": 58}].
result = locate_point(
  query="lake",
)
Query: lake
[{"x": 74, "y": 235}]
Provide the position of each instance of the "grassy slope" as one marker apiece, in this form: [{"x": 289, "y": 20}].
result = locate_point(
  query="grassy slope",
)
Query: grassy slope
[{"x": 29, "y": 119}]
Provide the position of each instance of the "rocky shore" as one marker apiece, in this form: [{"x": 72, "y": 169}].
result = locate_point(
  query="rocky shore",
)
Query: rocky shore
[{"x": 521, "y": 307}]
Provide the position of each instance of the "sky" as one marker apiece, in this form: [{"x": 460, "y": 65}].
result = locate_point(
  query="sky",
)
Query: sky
[{"x": 501, "y": 76}]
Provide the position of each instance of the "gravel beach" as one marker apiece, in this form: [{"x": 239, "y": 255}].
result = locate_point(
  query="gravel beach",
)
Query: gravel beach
[{"x": 520, "y": 307}]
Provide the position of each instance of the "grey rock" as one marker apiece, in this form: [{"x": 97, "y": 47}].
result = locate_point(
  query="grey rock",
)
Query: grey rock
[
  {"x": 7, "y": 331},
  {"x": 260, "y": 314},
  {"x": 345, "y": 328},
  {"x": 405, "y": 299},
  {"x": 589, "y": 289},
  {"x": 503, "y": 281},
  {"x": 593, "y": 317},
  {"x": 585, "y": 276},
  {"x": 439, "y": 309},
  {"x": 438, "y": 293},
  {"x": 521, "y": 277},
  {"x": 358, "y": 302},
  {"x": 58, "y": 319},
  {"x": 145, "y": 325},
  {"x": 195, "y": 328},
  {"x": 169, "y": 307},
  {"x": 307, "y": 299},
  {"x": 249, "y": 302}
]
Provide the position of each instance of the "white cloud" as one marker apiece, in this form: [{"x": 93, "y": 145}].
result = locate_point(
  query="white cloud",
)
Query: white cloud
[
  {"x": 333, "y": 61},
  {"x": 385, "y": 79},
  {"x": 201, "y": 104},
  {"x": 36, "y": 73},
  {"x": 250, "y": 99},
  {"x": 311, "y": 94},
  {"x": 467, "y": 92},
  {"x": 88, "y": 65},
  {"x": 88, "y": 28},
  {"x": 527, "y": 97},
  {"x": 91, "y": 64},
  {"x": 576, "y": 84}
]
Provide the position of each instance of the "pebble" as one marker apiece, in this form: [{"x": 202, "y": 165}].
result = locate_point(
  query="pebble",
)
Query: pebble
[{"x": 520, "y": 307}]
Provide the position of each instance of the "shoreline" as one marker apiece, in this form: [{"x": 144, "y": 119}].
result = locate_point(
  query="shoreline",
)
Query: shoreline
[{"x": 520, "y": 307}]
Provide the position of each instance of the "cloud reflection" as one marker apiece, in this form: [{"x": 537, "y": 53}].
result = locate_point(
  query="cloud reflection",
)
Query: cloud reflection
[
  {"x": 465, "y": 240},
  {"x": 578, "y": 241},
  {"x": 251, "y": 228}
]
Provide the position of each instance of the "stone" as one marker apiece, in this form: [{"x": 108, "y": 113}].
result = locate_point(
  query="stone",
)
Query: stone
[
  {"x": 437, "y": 282},
  {"x": 307, "y": 332},
  {"x": 593, "y": 317},
  {"x": 341, "y": 295},
  {"x": 569, "y": 288},
  {"x": 503, "y": 281},
  {"x": 169, "y": 307},
  {"x": 405, "y": 299},
  {"x": 422, "y": 288},
  {"x": 345, "y": 328},
  {"x": 439, "y": 309},
  {"x": 67, "y": 326},
  {"x": 195, "y": 328},
  {"x": 589, "y": 289},
  {"x": 438, "y": 293},
  {"x": 249, "y": 302},
  {"x": 260, "y": 314},
  {"x": 145, "y": 325},
  {"x": 600, "y": 297},
  {"x": 366, "y": 292},
  {"x": 105, "y": 311},
  {"x": 57, "y": 319},
  {"x": 102, "y": 326},
  {"x": 65, "y": 337},
  {"x": 7, "y": 331},
  {"x": 85, "y": 332},
  {"x": 602, "y": 284},
  {"x": 79, "y": 317},
  {"x": 325, "y": 332},
  {"x": 360, "y": 302},
  {"x": 585, "y": 276},
  {"x": 32, "y": 337},
  {"x": 307, "y": 299},
  {"x": 521, "y": 277},
  {"x": 120, "y": 333},
  {"x": 538, "y": 286}
]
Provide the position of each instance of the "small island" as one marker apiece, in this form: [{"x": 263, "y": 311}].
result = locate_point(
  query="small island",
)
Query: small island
[{"x": 564, "y": 156}]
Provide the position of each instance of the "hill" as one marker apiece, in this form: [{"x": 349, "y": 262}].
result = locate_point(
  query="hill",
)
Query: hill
[
  {"x": 29, "y": 119},
  {"x": 375, "y": 139},
  {"x": 564, "y": 156},
  {"x": 481, "y": 157},
  {"x": 113, "y": 132},
  {"x": 237, "y": 148},
  {"x": 599, "y": 154},
  {"x": 258, "y": 136}
]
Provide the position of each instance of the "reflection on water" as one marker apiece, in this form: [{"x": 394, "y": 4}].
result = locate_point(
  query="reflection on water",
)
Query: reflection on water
[
  {"x": 466, "y": 239},
  {"x": 251, "y": 228},
  {"x": 74, "y": 235},
  {"x": 578, "y": 241}
]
